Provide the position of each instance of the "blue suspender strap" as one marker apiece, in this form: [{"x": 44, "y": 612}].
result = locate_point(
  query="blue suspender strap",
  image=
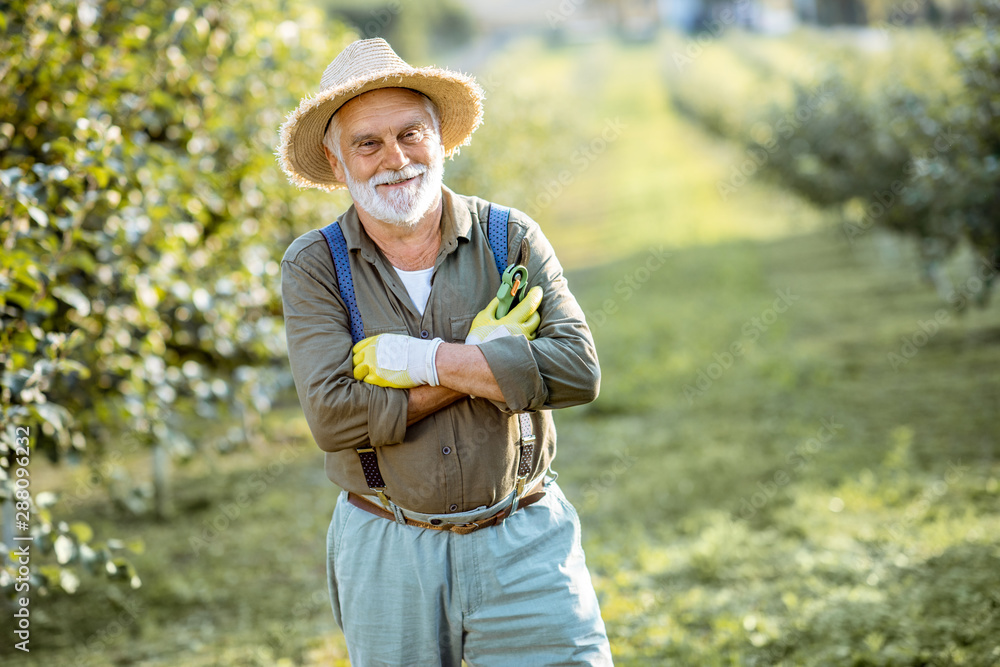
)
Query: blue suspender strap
[
  {"x": 496, "y": 232},
  {"x": 334, "y": 236},
  {"x": 497, "y": 237}
]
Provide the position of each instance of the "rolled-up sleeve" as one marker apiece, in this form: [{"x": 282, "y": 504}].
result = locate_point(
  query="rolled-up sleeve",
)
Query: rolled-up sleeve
[
  {"x": 341, "y": 411},
  {"x": 558, "y": 369}
]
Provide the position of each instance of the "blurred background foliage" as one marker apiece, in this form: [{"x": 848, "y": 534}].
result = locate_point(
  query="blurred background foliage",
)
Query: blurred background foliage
[
  {"x": 416, "y": 30},
  {"x": 140, "y": 212},
  {"x": 143, "y": 218},
  {"x": 905, "y": 138}
]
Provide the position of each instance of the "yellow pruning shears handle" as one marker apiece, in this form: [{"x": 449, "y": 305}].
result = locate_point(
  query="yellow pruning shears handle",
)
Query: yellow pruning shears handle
[{"x": 513, "y": 287}]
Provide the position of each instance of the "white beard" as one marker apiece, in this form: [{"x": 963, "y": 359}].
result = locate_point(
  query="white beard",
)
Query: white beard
[{"x": 402, "y": 207}]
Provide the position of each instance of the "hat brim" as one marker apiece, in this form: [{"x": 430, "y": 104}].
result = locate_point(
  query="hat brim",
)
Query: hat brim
[{"x": 459, "y": 100}]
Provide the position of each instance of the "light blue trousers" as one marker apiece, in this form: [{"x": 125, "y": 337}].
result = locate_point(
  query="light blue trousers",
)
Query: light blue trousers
[{"x": 514, "y": 594}]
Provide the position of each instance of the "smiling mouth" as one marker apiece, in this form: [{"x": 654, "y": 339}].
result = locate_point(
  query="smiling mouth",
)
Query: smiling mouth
[{"x": 403, "y": 181}]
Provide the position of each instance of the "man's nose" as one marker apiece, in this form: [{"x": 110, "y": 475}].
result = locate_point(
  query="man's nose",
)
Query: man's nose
[{"x": 394, "y": 157}]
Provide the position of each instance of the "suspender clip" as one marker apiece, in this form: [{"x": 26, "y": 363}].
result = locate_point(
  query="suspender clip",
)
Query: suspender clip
[
  {"x": 382, "y": 497},
  {"x": 390, "y": 506},
  {"x": 397, "y": 513},
  {"x": 518, "y": 492}
]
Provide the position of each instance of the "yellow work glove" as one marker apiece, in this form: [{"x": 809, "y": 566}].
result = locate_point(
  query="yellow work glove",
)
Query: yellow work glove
[
  {"x": 392, "y": 360},
  {"x": 522, "y": 320}
]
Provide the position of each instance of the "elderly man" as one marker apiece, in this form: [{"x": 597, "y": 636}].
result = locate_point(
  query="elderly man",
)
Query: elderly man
[{"x": 451, "y": 539}]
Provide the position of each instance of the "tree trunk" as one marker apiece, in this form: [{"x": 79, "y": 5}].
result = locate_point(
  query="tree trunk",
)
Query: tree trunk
[{"x": 161, "y": 473}]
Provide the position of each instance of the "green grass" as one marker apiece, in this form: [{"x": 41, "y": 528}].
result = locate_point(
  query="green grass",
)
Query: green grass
[
  {"x": 658, "y": 182},
  {"x": 684, "y": 564},
  {"x": 876, "y": 545}
]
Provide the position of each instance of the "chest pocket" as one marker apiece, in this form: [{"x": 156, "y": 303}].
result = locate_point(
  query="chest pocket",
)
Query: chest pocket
[
  {"x": 460, "y": 325},
  {"x": 393, "y": 329}
]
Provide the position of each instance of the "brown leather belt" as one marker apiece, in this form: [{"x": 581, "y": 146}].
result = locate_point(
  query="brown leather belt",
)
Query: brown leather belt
[{"x": 532, "y": 496}]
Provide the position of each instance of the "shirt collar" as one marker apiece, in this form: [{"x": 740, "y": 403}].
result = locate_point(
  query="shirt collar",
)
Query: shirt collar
[
  {"x": 456, "y": 220},
  {"x": 458, "y": 213},
  {"x": 456, "y": 223}
]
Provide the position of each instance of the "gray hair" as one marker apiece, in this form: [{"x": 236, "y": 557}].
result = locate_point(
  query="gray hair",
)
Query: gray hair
[{"x": 332, "y": 137}]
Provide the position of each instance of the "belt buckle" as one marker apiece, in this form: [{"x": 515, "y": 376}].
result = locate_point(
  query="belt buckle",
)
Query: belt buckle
[
  {"x": 464, "y": 528},
  {"x": 472, "y": 526}
]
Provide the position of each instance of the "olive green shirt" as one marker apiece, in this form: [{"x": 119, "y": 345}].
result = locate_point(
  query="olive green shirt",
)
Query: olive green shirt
[{"x": 465, "y": 455}]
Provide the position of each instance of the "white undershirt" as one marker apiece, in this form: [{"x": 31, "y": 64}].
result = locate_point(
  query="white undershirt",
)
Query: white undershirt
[{"x": 418, "y": 285}]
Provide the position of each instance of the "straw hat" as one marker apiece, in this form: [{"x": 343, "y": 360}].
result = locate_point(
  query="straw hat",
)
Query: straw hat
[{"x": 370, "y": 64}]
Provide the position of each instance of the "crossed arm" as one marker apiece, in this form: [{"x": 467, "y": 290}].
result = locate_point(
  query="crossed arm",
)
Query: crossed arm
[
  {"x": 462, "y": 371},
  {"x": 558, "y": 369}
]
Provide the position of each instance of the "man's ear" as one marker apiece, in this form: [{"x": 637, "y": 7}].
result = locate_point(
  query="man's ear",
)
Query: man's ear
[{"x": 338, "y": 169}]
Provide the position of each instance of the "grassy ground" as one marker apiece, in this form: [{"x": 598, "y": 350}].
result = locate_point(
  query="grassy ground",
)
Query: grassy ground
[{"x": 758, "y": 483}]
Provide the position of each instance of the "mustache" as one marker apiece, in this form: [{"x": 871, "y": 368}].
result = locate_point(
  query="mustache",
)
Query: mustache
[{"x": 393, "y": 175}]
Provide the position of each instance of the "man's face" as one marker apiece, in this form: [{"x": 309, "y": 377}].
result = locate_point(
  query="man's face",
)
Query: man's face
[{"x": 392, "y": 158}]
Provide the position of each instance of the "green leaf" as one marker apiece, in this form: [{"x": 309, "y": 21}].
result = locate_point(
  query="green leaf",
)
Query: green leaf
[
  {"x": 82, "y": 531},
  {"x": 70, "y": 366},
  {"x": 101, "y": 175},
  {"x": 72, "y": 296},
  {"x": 56, "y": 415}
]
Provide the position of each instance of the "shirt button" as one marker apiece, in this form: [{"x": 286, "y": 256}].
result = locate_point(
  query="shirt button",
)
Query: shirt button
[
  {"x": 425, "y": 333},
  {"x": 446, "y": 450},
  {"x": 453, "y": 508}
]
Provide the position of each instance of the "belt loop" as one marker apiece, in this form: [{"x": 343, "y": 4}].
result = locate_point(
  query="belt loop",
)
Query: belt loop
[{"x": 398, "y": 513}]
